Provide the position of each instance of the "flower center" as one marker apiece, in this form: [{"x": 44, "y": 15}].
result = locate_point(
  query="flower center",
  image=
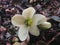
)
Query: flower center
[{"x": 28, "y": 22}]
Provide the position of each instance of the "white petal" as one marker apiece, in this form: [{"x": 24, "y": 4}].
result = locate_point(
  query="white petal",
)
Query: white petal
[
  {"x": 38, "y": 19},
  {"x": 29, "y": 12},
  {"x": 17, "y": 20},
  {"x": 46, "y": 25},
  {"x": 23, "y": 33},
  {"x": 34, "y": 31}
]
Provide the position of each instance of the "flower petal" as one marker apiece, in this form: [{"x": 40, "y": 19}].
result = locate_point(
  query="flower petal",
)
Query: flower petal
[
  {"x": 29, "y": 12},
  {"x": 23, "y": 33},
  {"x": 17, "y": 20},
  {"x": 34, "y": 31},
  {"x": 38, "y": 19}
]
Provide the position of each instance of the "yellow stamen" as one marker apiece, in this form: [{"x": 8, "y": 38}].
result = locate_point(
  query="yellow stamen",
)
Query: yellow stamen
[{"x": 28, "y": 22}]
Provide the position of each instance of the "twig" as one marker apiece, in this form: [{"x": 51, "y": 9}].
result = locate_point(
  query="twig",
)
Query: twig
[
  {"x": 19, "y": 7},
  {"x": 53, "y": 38}
]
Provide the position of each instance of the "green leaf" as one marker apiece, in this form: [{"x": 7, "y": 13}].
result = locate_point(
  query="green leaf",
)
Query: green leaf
[
  {"x": 12, "y": 31},
  {"x": 56, "y": 18}
]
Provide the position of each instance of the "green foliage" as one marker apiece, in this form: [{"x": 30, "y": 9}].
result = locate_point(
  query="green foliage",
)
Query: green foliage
[{"x": 12, "y": 31}]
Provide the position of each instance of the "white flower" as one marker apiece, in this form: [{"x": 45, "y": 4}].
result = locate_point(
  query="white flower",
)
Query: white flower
[{"x": 28, "y": 22}]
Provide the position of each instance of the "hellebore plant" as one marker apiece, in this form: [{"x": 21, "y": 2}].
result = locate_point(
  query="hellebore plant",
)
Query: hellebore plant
[{"x": 28, "y": 22}]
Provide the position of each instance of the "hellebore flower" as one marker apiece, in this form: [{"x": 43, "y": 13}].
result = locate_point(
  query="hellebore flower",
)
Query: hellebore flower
[{"x": 28, "y": 22}]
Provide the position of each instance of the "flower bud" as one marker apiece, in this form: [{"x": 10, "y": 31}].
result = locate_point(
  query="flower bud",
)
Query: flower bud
[
  {"x": 16, "y": 43},
  {"x": 45, "y": 25}
]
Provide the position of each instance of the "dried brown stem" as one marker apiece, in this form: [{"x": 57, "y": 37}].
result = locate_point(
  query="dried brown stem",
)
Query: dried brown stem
[{"x": 53, "y": 38}]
